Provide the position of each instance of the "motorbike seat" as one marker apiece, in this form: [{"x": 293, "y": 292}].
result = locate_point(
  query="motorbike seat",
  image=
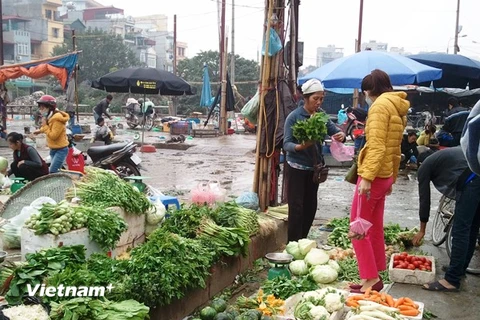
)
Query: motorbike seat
[{"x": 102, "y": 151}]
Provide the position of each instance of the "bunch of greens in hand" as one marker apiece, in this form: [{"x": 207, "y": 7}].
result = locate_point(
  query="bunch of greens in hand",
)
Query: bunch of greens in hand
[{"x": 312, "y": 129}]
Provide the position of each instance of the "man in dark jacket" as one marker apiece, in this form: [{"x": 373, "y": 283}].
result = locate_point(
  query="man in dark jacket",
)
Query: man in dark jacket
[
  {"x": 409, "y": 148},
  {"x": 454, "y": 107},
  {"x": 101, "y": 108},
  {"x": 451, "y": 132},
  {"x": 449, "y": 172}
]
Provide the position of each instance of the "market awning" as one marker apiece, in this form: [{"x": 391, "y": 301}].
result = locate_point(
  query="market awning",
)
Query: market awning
[{"x": 60, "y": 66}]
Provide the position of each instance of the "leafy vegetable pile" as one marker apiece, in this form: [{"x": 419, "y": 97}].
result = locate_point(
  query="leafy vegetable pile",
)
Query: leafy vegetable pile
[
  {"x": 227, "y": 241},
  {"x": 167, "y": 266},
  {"x": 186, "y": 221},
  {"x": 40, "y": 265},
  {"x": 105, "y": 227},
  {"x": 87, "y": 308},
  {"x": 230, "y": 214},
  {"x": 312, "y": 129},
  {"x": 102, "y": 188},
  {"x": 283, "y": 288}
]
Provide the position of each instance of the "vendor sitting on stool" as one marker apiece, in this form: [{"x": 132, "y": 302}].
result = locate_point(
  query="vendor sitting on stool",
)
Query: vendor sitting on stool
[
  {"x": 102, "y": 132},
  {"x": 27, "y": 163}
]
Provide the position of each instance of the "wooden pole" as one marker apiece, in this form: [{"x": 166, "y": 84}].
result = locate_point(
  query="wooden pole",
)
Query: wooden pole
[
  {"x": 175, "y": 59},
  {"x": 232, "y": 61},
  {"x": 265, "y": 71},
  {"x": 4, "y": 103},
  {"x": 358, "y": 48},
  {"x": 223, "y": 99},
  {"x": 75, "y": 74}
]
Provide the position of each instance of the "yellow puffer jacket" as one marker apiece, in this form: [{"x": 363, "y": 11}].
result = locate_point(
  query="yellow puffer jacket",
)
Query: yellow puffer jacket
[
  {"x": 56, "y": 130},
  {"x": 380, "y": 158}
]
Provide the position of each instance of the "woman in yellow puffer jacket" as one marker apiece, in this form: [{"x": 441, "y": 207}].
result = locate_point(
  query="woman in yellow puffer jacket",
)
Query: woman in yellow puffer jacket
[{"x": 378, "y": 165}]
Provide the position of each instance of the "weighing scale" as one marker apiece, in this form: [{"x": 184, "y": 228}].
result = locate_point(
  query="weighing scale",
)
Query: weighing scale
[
  {"x": 137, "y": 182},
  {"x": 18, "y": 183},
  {"x": 281, "y": 261}
]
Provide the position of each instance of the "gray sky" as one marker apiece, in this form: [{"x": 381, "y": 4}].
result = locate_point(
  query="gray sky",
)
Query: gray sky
[{"x": 416, "y": 25}]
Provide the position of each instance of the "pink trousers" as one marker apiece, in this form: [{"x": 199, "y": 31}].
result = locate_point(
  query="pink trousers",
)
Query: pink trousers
[{"x": 370, "y": 251}]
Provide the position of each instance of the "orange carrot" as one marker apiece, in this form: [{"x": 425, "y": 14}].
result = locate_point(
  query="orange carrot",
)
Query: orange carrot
[
  {"x": 411, "y": 312},
  {"x": 399, "y": 302},
  {"x": 409, "y": 300},
  {"x": 352, "y": 303},
  {"x": 404, "y": 307},
  {"x": 390, "y": 301},
  {"x": 359, "y": 297}
]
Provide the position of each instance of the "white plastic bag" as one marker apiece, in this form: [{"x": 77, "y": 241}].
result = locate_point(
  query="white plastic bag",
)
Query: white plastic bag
[
  {"x": 39, "y": 202},
  {"x": 156, "y": 214},
  {"x": 12, "y": 230},
  {"x": 218, "y": 192}
]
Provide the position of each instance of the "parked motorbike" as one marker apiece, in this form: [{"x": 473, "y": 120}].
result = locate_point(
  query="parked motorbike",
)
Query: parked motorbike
[
  {"x": 117, "y": 157},
  {"x": 137, "y": 116},
  {"x": 354, "y": 125}
]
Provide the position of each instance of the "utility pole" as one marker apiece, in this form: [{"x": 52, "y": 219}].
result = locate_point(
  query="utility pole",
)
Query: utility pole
[
  {"x": 223, "y": 76},
  {"x": 232, "y": 62},
  {"x": 293, "y": 63},
  {"x": 75, "y": 74},
  {"x": 174, "y": 59},
  {"x": 358, "y": 48},
  {"x": 4, "y": 107},
  {"x": 455, "y": 46}
]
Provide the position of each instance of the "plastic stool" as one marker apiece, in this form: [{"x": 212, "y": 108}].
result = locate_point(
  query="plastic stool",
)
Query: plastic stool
[{"x": 168, "y": 200}]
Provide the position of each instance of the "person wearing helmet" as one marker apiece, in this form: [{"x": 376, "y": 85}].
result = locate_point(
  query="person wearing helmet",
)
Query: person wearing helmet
[{"x": 54, "y": 127}]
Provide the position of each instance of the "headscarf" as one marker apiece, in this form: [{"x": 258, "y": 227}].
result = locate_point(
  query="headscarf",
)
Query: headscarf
[{"x": 311, "y": 86}]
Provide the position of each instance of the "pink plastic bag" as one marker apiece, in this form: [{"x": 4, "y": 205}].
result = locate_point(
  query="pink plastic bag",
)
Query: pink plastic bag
[
  {"x": 341, "y": 152},
  {"x": 202, "y": 194},
  {"x": 359, "y": 225}
]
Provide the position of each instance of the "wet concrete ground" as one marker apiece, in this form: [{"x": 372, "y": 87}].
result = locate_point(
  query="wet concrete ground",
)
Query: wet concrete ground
[{"x": 230, "y": 160}]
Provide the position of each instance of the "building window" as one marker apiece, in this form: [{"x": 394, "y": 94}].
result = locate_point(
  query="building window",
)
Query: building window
[
  {"x": 56, "y": 32},
  {"x": 181, "y": 52},
  {"x": 48, "y": 14}
]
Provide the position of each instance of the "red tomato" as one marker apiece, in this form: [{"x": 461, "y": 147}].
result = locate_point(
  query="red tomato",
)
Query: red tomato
[
  {"x": 398, "y": 266},
  {"x": 411, "y": 267},
  {"x": 417, "y": 263},
  {"x": 423, "y": 268},
  {"x": 396, "y": 263},
  {"x": 423, "y": 259},
  {"x": 396, "y": 257},
  {"x": 405, "y": 254}
]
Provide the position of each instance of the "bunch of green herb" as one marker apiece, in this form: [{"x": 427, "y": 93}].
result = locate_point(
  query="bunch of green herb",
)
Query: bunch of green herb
[
  {"x": 105, "y": 227},
  {"x": 227, "y": 241},
  {"x": 230, "y": 214},
  {"x": 40, "y": 265},
  {"x": 312, "y": 129},
  {"x": 165, "y": 267},
  {"x": 76, "y": 308},
  {"x": 283, "y": 288},
  {"x": 101, "y": 188},
  {"x": 186, "y": 221}
]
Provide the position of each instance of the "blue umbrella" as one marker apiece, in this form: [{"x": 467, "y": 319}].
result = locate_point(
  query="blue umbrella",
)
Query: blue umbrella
[
  {"x": 206, "y": 99},
  {"x": 349, "y": 71},
  {"x": 458, "y": 70}
]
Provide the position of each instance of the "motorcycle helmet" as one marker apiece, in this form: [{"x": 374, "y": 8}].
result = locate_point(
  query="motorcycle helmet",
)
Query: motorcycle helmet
[{"x": 48, "y": 101}]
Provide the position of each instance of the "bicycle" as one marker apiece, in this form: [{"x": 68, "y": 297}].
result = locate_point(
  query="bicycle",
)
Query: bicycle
[{"x": 442, "y": 231}]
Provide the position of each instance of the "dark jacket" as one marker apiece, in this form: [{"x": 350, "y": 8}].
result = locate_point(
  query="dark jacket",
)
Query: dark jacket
[
  {"x": 102, "y": 107},
  {"x": 30, "y": 157},
  {"x": 443, "y": 168},
  {"x": 455, "y": 110},
  {"x": 409, "y": 149},
  {"x": 454, "y": 126},
  {"x": 305, "y": 157}
]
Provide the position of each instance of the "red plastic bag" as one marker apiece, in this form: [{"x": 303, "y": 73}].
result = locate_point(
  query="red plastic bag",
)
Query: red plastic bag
[
  {"x": 360, "y": 226},
  {"x": 75, "y": 162},
  {"x": 341, "y": 152},
  {"x": 202, "y": 194}
]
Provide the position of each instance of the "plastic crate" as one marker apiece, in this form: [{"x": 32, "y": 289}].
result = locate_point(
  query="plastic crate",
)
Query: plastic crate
[
  {"x": 411, "y": 276},
  {"x": 179, "y": 128}
]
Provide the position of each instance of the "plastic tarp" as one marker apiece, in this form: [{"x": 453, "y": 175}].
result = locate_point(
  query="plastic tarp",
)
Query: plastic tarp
[{"x": 61, "y": 67}]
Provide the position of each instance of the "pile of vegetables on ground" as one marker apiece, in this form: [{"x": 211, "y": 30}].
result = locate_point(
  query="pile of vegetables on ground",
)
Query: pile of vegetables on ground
[{"x": 394, "y": 235}]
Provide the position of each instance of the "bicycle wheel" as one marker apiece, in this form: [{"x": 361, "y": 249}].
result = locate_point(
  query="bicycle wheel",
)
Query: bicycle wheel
[
  {"x": 440, "y": 220},
  {"x": 474, "y": 266}
]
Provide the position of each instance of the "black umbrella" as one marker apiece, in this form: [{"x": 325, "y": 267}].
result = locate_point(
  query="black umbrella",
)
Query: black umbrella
[
  {"x": 144, "y": 80},
  {"x": 458, "y": 70}
]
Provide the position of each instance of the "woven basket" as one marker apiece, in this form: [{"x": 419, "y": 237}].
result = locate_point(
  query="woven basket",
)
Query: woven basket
[{"x": 53, "y": 186}]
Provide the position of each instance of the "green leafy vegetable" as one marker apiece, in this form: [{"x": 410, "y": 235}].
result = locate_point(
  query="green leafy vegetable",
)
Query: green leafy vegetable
[
  {"x": 186, "y": 221},
  {"x": 283, "y": 288},
  {"x": 101, "y": 188},
  {"x": 312, "y": 129},
  {"x": 230, "y": 214},
  {"x": 166, "y": 267},
  {"x": 227, "y": 241},
  {"x": 105, "y": 227}
]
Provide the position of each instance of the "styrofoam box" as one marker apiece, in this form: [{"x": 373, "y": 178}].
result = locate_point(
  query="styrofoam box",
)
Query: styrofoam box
[
  {"x": 421, "y": 308},
  {"x": 291, "y": 302},
  {"x": 411, "y": 276},
  {"x": 132, "y": 237}
]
